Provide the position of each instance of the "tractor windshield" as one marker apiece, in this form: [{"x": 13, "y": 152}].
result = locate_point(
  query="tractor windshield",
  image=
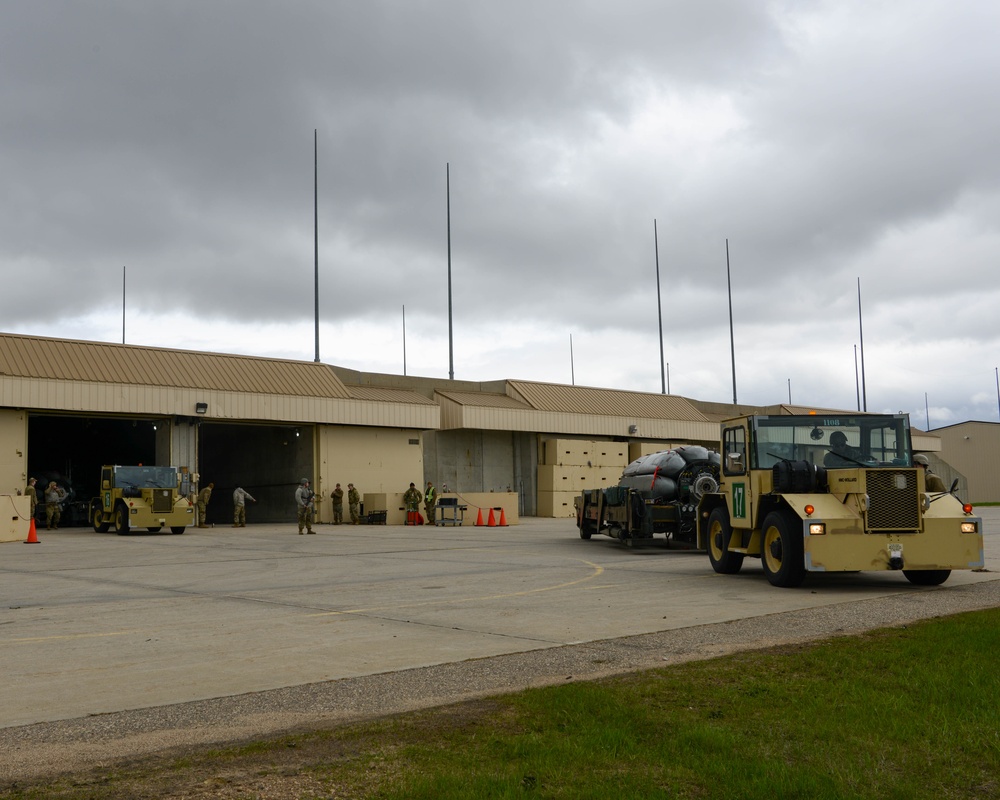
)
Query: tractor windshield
[
  {"x": 146, "y": 477},
  {"x": 832, "y": 441}
]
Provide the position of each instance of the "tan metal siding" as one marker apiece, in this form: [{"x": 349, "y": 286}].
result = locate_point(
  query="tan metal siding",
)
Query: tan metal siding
[
  {"x": 608, "y": 402},
  {"x": 67, "y": 360},
  {"x": 973, "y": 448},
  {"x": 50, "y": 395}
]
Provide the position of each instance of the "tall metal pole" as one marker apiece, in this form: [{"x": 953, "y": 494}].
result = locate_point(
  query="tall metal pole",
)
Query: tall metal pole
[
  {"x": 572, "y": 369},
  {"x": 451, "y": 339},
  {"x": 732, "y": 338},
  {"x": 861, "y": 331},
  {"x": 927, "y": 412},
  {"x": 316, "y": 234},
  {"x": 659, "y": 311},
  {"x": 123, "y": 305},
  {"x": 997, "y": 371},
  {"x": 857, "y": 383},
  {"x": 404, "y": 340},
  {"x": 789, "y": 391}
]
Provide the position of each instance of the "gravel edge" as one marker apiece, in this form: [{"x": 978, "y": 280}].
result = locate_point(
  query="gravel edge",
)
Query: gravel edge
[{"x": 36, "y": 751}]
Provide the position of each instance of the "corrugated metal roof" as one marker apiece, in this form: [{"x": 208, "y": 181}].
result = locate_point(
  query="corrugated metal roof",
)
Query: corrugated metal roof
[
  {"x": 606, "y": 402},
  {"x": 384, "y": 395},
  {"x": 485, "y": 400},
  {"x": 71, "y": 360}
]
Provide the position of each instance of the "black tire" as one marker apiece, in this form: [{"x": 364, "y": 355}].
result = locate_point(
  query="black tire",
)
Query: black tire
[
  {"x": 97, "y": 518},
  {"x": 927, "y": 577},
  {"x": 154, "y": 528},
  {"x": 584, "y": 525},
  {"x": 178, "y": 528},
  {"x": 724, "y": 561},
  {"x": 121, "y": 519},
  {"x": 782, "y": 550}
]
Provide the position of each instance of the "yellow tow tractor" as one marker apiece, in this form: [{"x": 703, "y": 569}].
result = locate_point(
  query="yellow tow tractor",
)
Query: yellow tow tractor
[
  {"x": 832, "y": 493},
  {"x": 141, "y": 497}
]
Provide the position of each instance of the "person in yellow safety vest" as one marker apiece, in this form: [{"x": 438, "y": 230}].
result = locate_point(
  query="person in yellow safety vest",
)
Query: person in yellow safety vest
[{"x": 430, "y": 499}]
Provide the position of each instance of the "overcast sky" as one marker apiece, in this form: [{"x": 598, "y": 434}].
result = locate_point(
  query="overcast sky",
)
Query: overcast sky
[{"x": 829, "y": 142}]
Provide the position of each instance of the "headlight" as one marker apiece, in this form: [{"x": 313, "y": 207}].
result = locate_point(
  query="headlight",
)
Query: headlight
[
  {"x": 970, "y": 527},
  {"x": 817, "y": 528}
]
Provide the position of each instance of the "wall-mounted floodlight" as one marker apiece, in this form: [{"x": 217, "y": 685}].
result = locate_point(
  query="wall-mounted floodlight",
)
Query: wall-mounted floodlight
[
  {"x": 201, "y": 408},
  {"x": 633, "y": 428}
]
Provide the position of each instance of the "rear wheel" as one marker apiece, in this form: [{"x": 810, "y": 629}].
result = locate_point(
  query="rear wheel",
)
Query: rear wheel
[
  {"x": 927, "y": 577},
  {"x": 121, "y": 519},
  {"x": 97, "y": 518},
  {"x": 154, "y": 528},
  {"x": 782, "y": 550},
  {"x": 584, "y": 524},
  {"x": 724, "y": 561},
  {"x": 177, "y": 528}
]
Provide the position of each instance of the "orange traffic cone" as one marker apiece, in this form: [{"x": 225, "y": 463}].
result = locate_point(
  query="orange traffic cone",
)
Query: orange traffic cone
[
  {"x": 479, "y": 519},
  {"x": 492, "y": 521},
  {"x": 32, "y": 535},
  {"x": 503, "y": 519}
]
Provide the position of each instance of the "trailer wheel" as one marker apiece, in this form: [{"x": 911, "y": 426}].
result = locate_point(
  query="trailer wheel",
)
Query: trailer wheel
[
  {"x": 724, "y": 561},
  {"x": 927, "y": 577},
  {"x": 782, "y": 550},
  {"x": 97, "y": 518},
  {"x": 121, "y": 519}
]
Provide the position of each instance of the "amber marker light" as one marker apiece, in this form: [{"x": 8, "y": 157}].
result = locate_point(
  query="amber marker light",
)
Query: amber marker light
[
  {"x": 967, "y": 508},
  {"x": 809, "y": 511}
]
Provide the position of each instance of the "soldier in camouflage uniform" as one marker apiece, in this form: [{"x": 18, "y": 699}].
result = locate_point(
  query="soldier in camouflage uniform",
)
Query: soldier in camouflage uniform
[
  {"x": 338, "y": 506},
  {"x": 411, "y": 499},
  {"x": 354, "y": 502},
  {"x": 304, "y": 503}
]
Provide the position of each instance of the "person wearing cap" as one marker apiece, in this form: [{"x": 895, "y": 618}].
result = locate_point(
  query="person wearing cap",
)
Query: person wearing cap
[
  {"x": 54, "y": 496},
  {"x": 841, "y": 453},
  {"x": 430, "y": 499},
  {"x": 932, "y": 482},
  {"x": 304, "y": 503},
  {"x": 411, "y": 499},
  {"x": 32, "y": 494},
  {"x": 354, "y": 503},
  {"x": 338, "y": 506},
  {"x": 240, "y": 497},
  {"x": 203, "y": 497}
]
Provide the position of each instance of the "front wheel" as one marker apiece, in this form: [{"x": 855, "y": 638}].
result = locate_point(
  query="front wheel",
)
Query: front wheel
[
  {"x": 782, "y": 550},
  {"x": 121, "y": 519},
  {"x": 583, "y": 524},
  {"x": 97, "y": 518},
  {"x": 720, "y": 532},
  {"x": 927, "y": 577}
]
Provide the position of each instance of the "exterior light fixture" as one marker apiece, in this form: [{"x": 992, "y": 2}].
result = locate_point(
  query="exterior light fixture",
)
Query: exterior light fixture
[{"x": 201, "y": 408}]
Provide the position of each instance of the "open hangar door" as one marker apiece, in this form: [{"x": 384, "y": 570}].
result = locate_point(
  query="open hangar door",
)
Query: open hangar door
[
  {"x": 71, "y": 450},
  {"x": 266, "y": 460}
]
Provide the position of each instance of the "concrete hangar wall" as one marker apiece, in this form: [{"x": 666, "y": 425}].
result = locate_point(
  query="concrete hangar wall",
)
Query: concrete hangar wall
[{"x": 67, "y": 407}]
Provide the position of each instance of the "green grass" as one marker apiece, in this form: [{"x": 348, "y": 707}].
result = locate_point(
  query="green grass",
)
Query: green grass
[{"x": 910, "y": 712}]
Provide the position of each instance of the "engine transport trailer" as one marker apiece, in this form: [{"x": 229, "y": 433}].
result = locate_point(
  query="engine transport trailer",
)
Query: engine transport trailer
[
  {"x": 832, "y": 493},
  {"x": 657, "y": 494},
  {"x": 142, "y": 497}
]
